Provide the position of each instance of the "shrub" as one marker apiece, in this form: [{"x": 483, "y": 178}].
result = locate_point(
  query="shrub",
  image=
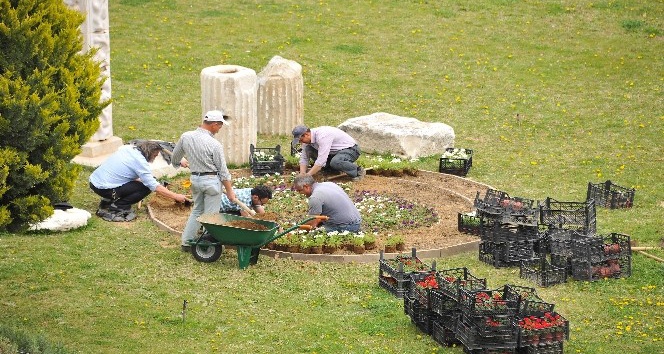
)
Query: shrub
[{"x": 49, "y": 107}]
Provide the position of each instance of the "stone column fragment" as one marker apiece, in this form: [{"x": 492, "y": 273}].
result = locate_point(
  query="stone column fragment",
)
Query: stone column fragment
[
  {"x": 233, "y": 89},
  {"x": 280, "y": 97}
]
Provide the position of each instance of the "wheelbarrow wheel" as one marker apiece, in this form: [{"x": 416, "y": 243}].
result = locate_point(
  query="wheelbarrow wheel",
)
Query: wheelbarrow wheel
[{"x": 207, "y": 253}]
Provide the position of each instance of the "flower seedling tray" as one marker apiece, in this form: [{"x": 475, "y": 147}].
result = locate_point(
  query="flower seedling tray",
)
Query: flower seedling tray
[
  {"x": 541, "y": 327},
  {"x": 266, "y": 161},
  {"x": 469, "y": 224},
  {"x": 456, "y": 161},
  {"x": 609, "y": 195},
  {"x": 580, "y": 216},
  {"x": 542, "y": 273},
  {"x": 394, "y": 275},
  {"x": 500, "y": 206}
]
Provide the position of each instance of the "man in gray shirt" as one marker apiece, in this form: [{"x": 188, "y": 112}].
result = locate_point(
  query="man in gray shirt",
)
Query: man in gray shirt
[
  {"x": 327, "y": 198},
  {"x": 205, "y": 158}
]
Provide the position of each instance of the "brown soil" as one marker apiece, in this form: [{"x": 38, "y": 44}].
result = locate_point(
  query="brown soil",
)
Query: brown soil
[{"x": 447, "y": 194}]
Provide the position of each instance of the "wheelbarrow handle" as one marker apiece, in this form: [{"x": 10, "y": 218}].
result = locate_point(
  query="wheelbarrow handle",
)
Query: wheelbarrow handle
[{"x": 299, "y": 225}]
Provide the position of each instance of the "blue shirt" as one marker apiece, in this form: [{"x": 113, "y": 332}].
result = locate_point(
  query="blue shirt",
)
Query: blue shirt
[
  {"x": 125, "y": 165},
  {"x": 243, "y": 195}
]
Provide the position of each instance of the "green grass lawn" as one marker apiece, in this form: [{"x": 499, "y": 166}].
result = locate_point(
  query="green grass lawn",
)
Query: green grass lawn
[{"x": 550, "y": 95}]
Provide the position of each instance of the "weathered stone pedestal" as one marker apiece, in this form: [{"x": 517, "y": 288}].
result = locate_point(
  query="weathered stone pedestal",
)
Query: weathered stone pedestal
[{"x": 233, "y": 89}]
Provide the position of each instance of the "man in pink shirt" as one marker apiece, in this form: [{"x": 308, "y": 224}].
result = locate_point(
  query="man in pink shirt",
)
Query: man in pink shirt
[{"x": 328, "y": 146}]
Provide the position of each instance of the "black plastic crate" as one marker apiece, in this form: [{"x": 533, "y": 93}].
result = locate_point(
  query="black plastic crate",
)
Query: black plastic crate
[
  {"x": 266, "y": 161},
  {"x": 600, "y": 248},
  {"x": 394, "y": 275},
  {"x": 560, "y": 241},
  {"x": 443, "y": 333},
  {"x": 620, "y": 267},
  {"x": 456, "y": 161},
  {"x": 451, "y": 281},
  {"x": 542, "y": 273},
  {"x": 419, "y": 314},
  {"x": 528, "y": 337},
  {"x": 555, "y": 348},
  {"x": 474, "y": 338},
  {"x": 469, "y": 224},
  {"x": 509, "y": 232},
  {"x": 506, "y": 254},
  {"x": 528, "y": 302},
  {"x": 500, "y": 207},
  {"x": 494, "y": 302},
  {"x": 418, "y": 288},
  {"x": 490, "y": 351},
  {"x": 580, "y": 216},
  {"x": 609, "y": 195}
]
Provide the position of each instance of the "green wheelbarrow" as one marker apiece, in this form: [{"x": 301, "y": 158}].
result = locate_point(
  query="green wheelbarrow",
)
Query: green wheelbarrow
[{"x": 248, "y": 242}]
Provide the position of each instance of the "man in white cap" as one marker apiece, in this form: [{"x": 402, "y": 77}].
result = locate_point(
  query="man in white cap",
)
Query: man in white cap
[
  {"x": 328, "y": 146},
  {"x": 205, "y": 158}
]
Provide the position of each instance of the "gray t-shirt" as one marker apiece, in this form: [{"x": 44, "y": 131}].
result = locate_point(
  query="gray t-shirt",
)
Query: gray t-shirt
[{"x": 328, "y": 199}]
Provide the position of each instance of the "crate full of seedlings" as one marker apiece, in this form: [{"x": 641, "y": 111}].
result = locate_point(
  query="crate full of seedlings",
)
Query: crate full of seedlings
[
  {"x": 610, "y": 195},
  {"x": 580, "y": 216},
  {"x": 421, "y": 287},
  {"x": 506, "y": 254},
  {"x": 488, "y": 302},
  {"x": 445, "y": 301},
  {"x": 394, "y": 275},
  {"x": 266, "y": 161},
  {"x": 456, "y": 161},
  {"x": 469, "y": 223},
  {"x": 541, "y": 272},
  {"x": 548, "y": 328}
]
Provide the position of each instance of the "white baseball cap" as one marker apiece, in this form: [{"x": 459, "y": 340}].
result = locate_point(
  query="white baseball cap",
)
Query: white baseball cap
[{"x": 216, "y": 116}]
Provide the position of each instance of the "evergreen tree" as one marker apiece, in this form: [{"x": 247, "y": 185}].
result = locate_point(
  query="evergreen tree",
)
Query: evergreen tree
[{"x": 49, "y": 107}]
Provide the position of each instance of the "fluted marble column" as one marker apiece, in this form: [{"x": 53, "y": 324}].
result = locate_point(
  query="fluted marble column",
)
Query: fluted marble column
[
  {"x": 232, "y": 88},
  {"x": 280, "y": 97}
]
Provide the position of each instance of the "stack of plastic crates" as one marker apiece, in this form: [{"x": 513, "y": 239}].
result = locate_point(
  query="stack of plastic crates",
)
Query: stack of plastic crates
[
  {"x": 540, "y": 330},
  {"x": 486, "y": 320},
  {"x": 610, "y": 195},
  {"x": 601, "y": 256}
]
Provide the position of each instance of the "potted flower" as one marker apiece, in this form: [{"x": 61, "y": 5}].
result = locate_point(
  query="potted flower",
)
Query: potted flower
[
  {"x": 331, "y": 244},
  {"x": 318, "y": 240},
  {"x": 398, "y": 242},
  {"x": 358, "y": 244},
  {"x": 390, "y": 245},
  {"x": 369, "y": 241}
]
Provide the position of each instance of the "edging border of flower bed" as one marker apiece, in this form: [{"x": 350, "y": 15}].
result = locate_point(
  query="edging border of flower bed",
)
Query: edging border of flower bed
[{"x": 361, "y": 258}]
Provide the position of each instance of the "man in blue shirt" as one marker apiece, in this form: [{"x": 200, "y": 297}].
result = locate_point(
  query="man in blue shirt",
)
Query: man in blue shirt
[
  {"x": 254, "y": 198},
  {"x": 125, "y": 179}
]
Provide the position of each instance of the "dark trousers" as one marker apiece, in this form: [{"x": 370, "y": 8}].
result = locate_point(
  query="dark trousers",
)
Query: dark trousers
[
  {"x": 125, "y": 196},
  {"x": 342, "y": 160}
]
